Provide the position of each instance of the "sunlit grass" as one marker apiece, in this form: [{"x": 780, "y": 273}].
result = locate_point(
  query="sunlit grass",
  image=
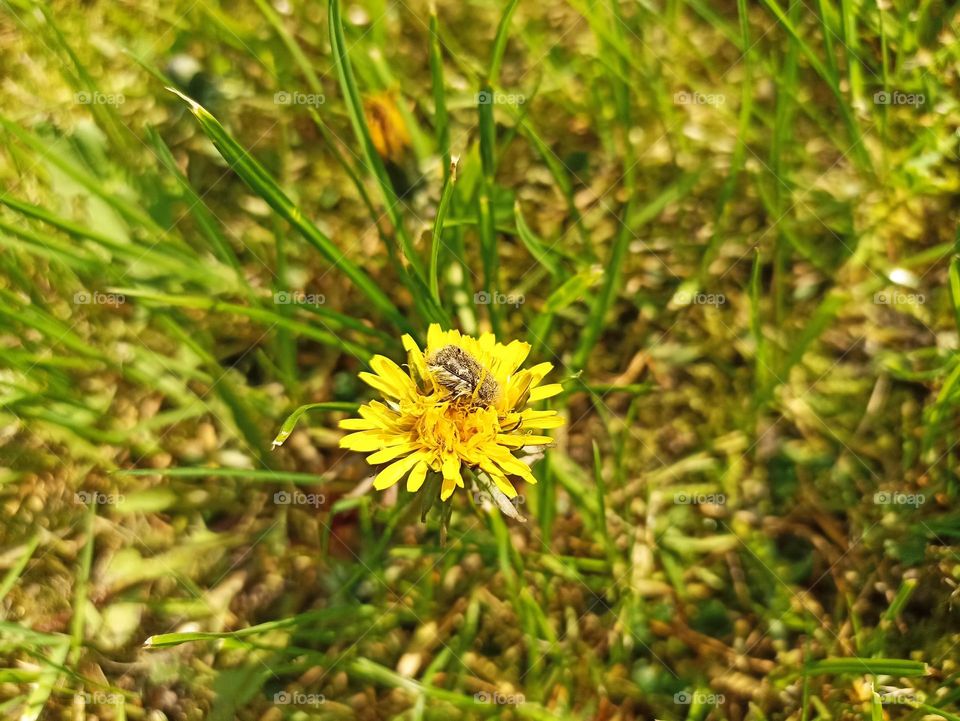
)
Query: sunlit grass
[{"x": 729, "y": 226}]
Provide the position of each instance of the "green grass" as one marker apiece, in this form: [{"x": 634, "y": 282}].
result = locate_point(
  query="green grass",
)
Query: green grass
[{"x": 740, "y": 259}]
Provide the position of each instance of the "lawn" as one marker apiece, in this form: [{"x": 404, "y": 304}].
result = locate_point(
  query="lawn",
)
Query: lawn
[{"x": 710, "y": 472}]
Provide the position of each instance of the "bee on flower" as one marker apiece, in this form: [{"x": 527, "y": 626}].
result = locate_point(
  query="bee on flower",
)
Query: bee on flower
[{"x": 461, "y": 401}]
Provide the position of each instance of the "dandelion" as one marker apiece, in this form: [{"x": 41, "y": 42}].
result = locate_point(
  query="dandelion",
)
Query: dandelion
[{"x": 461, "y": 402}]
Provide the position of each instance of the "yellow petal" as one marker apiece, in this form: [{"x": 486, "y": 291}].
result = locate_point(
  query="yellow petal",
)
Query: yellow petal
[
  {"x": 395, "y": 471},
  {"x": 509, "y": 463},
  {"x": 451, "y": 476},
  {"x": 437, "y": 338},
  {"x": 357, "y": 424},
  {"x": 544, "y": 423},
  {"x": 486, "y": 345},
  {"x": 381, "y": 384},
  {"x": 367, "y": 441},
  {"x": 501, "y": 480},
  {"x": 389, "y": 378},
  {"x": 417, "y": 476},
  {"x": 504, "y": 485},
  {"x": 376, "y": 410},
  {"x": 538, "y": 372},
  {"x": 451, "y": 467},
  {"x": 547, "y": 391},
  {"x": 512, "y": 356},
  {"x": 391, "y": 452},
  {"x": 446, "y": 489},
  {"x": 414, "y": 356},
  {"x": 516, "y": 394},
  {"x": 392, "y": 373}
]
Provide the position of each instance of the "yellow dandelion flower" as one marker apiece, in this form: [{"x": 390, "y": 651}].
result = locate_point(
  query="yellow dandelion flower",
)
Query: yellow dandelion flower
[{"x": 460, "y": 402}]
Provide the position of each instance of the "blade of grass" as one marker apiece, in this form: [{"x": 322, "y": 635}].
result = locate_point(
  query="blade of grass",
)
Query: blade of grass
[
  {"x": 10, "y": 578},
  {"x": 262, "y": 315},
  {"x": 856, "y": 147},
  {"x": 441, "y": 122},
  {"x": 351, "y": 96},
  {"x": 761, "y": 370},
  {"x": 437, "y": 239},
  {"x": 537, "y": 248},
  {"x": 254, "y": 175},
  {"x": 288, "y": 425},
  {"x": 614, "y": 266},
  {"x": 881, "y": 666},
  {"x": 260, "y": 476},
  {"x": 82, "y": 587},
  {"x": 197, "y": 207},
  {"x": 955, "y": 288},
  {"x": 154, "y": 255},
  {"x": 485, "y": 210},
  {"x": 500, "y": 41}
]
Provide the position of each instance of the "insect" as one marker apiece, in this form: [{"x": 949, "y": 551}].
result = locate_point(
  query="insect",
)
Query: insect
[{"x": 461, "y": 374}]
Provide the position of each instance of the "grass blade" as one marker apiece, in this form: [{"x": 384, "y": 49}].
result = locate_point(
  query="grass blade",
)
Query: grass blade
[
  {"x": 288, "y": 425},
  {"x": 254, "y": 175},
  {"x": 437, "y": 239}
]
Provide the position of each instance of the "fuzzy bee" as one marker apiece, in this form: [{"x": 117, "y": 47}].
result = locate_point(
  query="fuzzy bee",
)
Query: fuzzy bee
[{"x": 461, "y": 374}]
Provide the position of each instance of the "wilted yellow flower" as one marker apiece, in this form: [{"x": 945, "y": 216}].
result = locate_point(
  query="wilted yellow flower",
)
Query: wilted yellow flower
[
  {"x": 462, "y": 401},
  {"x": 387, "y": 129}
]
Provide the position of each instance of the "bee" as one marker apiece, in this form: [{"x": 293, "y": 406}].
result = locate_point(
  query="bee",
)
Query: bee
[{"x": 462, "y": 375}]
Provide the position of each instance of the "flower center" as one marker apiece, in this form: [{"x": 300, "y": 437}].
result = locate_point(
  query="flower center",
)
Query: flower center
[{"x": 451, "y": 426}]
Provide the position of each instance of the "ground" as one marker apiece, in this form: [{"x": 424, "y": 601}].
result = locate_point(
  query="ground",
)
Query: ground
[{"x": 731, "y": 227}]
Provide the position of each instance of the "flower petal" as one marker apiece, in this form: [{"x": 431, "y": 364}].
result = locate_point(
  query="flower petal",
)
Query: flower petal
[
  {"x": 519, "y": 440},
  {"x": 510, "y": 464},
  {"x": 512, "y": 356},
  {"x": 538, "y": 372},
  {"x": 415, "y": 359},
  {"x": 501, "y": 480},
  {"x": 437, "y": 338},
  {"x": 504, "y": 484},
  {"x": 451, "y": 476},
  {"x": 379, "y": 413},
  {"x": 547, "y": 391},
  {"x": 390, "y": 378},
  {"x": 390, "y": 452},
  {"x": 417, "y": 476},
  {"x": 395, "y": 471},
  {"x": 540, "y": 419},
  {"x": 357, "y": 424},
  {"x": 381, "y": 384},
  {"x": 367, "y": 441}
]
